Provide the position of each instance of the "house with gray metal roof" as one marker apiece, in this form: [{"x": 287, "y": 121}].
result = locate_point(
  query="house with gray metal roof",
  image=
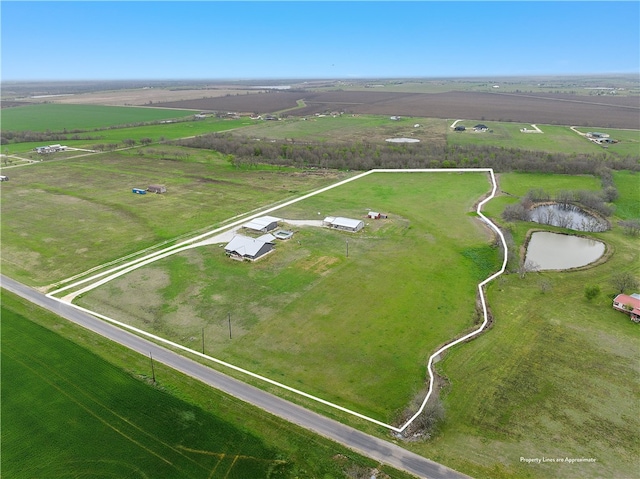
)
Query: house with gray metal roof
[{"x": 243, "y": 247}]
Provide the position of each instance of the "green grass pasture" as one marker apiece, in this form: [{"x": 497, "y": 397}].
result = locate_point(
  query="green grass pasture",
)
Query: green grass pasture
[
  {"x": 356, "y": 330},
  {"x": 554, "y": 138},
  {"x": 55, "y": 117},
  {"x": 156, "y": 132},
  {"x": 628, "y": 140},
  {"x": 352, "y": 128},
  {"x": 628, "y": 202},
  {"x": 60, "y": 218},
  {"x": 76, "y": 405},
  {"x": 556, "y": 376}
]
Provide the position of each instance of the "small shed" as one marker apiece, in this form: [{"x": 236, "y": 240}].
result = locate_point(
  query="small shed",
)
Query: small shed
[
  {"x": 4, "y": 178},
  {"x": 139, "y": 191},
  {"x": 459, "y": 128},
  {"x": 344, "y": 224},
  {"x": 263, "y": 224},
  {"x": 157, "y": 189},
  {"x": 480, "y": 127}
]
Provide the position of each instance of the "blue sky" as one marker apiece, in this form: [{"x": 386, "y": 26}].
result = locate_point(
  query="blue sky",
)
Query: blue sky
[{"x": 315, "y": 39}]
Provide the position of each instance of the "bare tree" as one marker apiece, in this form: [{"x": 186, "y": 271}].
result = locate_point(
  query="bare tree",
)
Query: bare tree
[
  {"x": 528, "y": 266},
  {"x": 631, "y": 227},
  {"x": 624, "y": 281}
]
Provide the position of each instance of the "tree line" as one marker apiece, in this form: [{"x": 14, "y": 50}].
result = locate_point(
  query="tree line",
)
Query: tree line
[{"x": 364, "y": 155}]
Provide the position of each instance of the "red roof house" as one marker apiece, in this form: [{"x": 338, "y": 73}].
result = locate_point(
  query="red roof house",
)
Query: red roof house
[{"x": 628, "y": 304}]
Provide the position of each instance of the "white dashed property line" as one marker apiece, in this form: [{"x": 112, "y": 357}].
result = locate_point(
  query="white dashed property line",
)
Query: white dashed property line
[{"x": 189, "y": 244}]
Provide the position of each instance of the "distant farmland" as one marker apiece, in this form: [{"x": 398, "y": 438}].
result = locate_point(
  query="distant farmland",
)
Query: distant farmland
[
  {"x": 551, "y": 109},
  {"x": 48, "y": 116}
]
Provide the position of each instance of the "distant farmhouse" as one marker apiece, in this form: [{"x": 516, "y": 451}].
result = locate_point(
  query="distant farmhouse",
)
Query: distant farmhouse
[
  {"x": 344, "y": 224},
  {"x": 629, "y": 304},
  {"x": 481, "y": 127},
  {"x": 600, "y": 138},
  {"x": 459, "y": 128},
  {"x": 243, "y": 247},
  {"x": 49, "y": 149},
  {"x": 596, "y": 134},
  {"x": 264, "y": 224}
]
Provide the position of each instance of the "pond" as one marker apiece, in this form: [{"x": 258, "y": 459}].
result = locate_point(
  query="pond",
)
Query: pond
[
  {"x": 567, "y": 216},
  {"x": 553, "y": 251}
]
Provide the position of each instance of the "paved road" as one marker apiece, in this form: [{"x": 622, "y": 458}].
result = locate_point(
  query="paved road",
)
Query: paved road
[{"x": 373, "y": 447}]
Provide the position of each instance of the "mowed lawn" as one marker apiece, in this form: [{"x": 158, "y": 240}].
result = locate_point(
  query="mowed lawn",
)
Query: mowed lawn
[
  {"x": 61, "y": 218},
  {"x": 68, "y": 413},
  {"x": 356, "y": 329}
]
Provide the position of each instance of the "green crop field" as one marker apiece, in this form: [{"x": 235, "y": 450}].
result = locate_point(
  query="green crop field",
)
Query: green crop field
[
  {"x": 53, "y": 117},
  {"x": 67, "y": 412},
  {"x": 308, "y": 304}
]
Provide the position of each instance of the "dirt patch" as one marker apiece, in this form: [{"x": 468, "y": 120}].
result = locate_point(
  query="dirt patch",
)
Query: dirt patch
[{"x": 319, "y": 265}]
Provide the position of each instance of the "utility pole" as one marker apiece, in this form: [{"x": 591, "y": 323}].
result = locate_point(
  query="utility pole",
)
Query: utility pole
[
  {"x": 229, "y": 325},
  {"x": 203, "y": 340},
  {"x": 347, "y": 248},
  {"x": 153, "y": 371}
]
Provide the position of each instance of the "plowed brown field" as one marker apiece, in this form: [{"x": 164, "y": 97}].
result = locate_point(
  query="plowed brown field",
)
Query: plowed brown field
[{"x": 606, "y": 112}]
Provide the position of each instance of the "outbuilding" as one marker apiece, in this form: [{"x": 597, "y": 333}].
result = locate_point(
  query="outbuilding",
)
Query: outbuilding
[
  {"x": 344, "y": 224},
  {"x": 243, "y": 247},
  {"x": 157, "y": 189},
  {"x": 263, "y": 224}
]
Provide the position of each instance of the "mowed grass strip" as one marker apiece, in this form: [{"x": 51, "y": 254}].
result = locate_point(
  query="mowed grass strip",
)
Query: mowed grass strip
[
  {"x": 68, "y": 413},
  {"x": 54, "y": 117},
  {"x": 61, "y": 218},
  {"x": 354, "y": 329}
]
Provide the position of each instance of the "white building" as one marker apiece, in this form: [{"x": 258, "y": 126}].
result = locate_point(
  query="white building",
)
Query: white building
[
  {"x": 262, "y": 224},
  {"x": 344, "y": 224}
]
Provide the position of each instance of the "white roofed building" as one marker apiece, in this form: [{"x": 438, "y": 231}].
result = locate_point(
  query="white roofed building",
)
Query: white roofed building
[
  {"x": 243, "y": 247},
  {"x": 344, "y": 224},
  {"x": 263, "y": 224}
]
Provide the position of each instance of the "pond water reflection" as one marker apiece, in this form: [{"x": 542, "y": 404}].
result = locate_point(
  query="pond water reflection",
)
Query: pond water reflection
[
  {"x": 553, "y": 251},
  {"x": 567, "y": 216}
]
